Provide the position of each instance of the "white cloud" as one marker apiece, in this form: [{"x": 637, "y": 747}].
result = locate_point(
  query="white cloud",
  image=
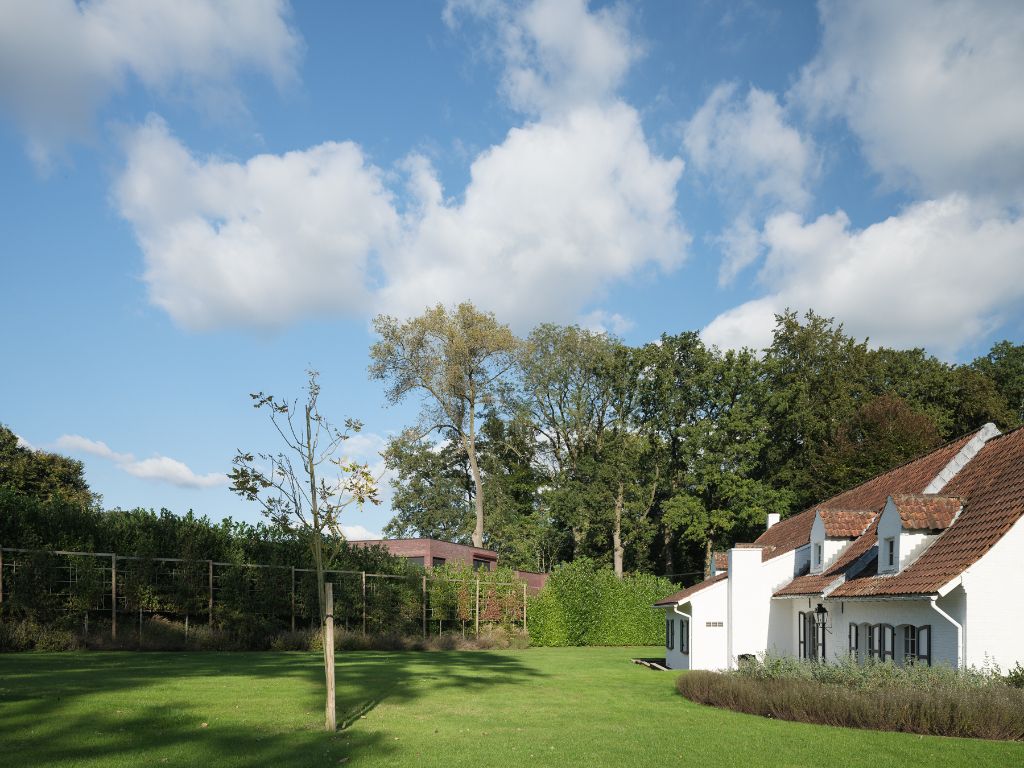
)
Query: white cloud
[
  {"x": 602, "y": 321},
  {"x": 256, "y": 243},
  {"x": 21, "y": 442},
  {"x": 755, "y": 161},
  {"x": 561, "y": 208},
  {"x": 741, "y": 245},
  {"x": 749, "y": 150},
  {"x": 174, "y": 472},
  {"x": 940, "y": 274},
  {"x": 932, "y": 89},
  {"x": 550, "y": 217},
  {"x": 359, "y": 533},
  {"x": 558, "y": 54},
  {"x": 60, "y": 61},
  {"x": 159, "y": 468},
  {"x": 79, "y": 444}
]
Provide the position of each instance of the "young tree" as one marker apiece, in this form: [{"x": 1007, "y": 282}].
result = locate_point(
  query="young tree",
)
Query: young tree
[
  {"x": 292, "y": 491},
  {"x": 457, "y": 361}
]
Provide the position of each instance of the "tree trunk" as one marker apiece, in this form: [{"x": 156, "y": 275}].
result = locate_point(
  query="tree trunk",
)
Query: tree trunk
[
  {"x": 478, "y": 500},
  {"x": 707, "y": 558},
  {"x": 667, "y": 542},
  {"x": 617, "y": 549}
]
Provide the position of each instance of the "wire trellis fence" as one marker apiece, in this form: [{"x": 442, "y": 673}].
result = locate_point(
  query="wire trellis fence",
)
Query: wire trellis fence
[{"x": 106, "y": 591}]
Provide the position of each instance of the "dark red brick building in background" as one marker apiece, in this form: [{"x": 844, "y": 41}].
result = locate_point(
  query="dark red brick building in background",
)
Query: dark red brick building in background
[{"x": 432, "y": 553}]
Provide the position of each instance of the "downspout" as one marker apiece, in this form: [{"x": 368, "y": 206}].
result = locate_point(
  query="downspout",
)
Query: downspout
[
  {"x": 959, "y": 631},
  {"x": 689, "y": 620}
]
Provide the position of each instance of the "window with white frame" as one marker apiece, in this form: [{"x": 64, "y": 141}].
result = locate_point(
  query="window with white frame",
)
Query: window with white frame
[
  {"x": 854, "y": 640},
  {"x": 670, "y": 630},
  {"x": 817, "y": 555}
]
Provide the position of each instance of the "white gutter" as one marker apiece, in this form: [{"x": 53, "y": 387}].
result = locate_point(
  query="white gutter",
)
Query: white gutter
[
  {"x": 689, "y": 623},
  {"x": 959, "y": 631}
]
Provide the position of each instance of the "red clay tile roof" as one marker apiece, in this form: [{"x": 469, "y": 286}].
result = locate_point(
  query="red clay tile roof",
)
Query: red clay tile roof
[
  {"x": 919, "y": 511},
  {"x": 846, "y": 523},
  {"x": 912, "y": 477},
  {"x": 847, "y": 562},
  {"x": 675, "y": 598},
  {"x": 992, "y": 486}
]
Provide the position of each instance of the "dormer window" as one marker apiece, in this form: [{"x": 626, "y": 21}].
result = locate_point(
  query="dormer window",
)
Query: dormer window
[
  {"x": 817, "y": 555},
  {"x": 889, "y": 552}
]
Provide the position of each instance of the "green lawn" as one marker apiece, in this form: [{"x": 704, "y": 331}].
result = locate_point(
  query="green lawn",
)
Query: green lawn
[{"x": 551, "y": 707}]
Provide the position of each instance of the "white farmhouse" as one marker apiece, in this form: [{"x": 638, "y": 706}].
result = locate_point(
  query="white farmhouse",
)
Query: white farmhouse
[{"x": 924, "y": 563}]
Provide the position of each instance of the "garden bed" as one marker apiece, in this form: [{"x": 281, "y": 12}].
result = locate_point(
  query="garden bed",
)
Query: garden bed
[{"x": 937, "y": 701}]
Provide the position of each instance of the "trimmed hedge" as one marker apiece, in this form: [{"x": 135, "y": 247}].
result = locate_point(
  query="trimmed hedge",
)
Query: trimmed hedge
[{"x": 584, "y": 604}]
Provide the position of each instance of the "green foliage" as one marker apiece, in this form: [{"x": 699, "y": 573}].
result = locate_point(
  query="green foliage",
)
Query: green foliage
[
  {"x": 41, "y": 475},
  {"x": 585, "y": 604}
]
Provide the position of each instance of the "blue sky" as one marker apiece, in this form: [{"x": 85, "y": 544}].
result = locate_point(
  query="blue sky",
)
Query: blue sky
[{"x": 201, "y": 199}]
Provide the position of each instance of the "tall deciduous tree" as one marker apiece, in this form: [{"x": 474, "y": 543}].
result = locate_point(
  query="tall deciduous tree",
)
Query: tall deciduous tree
[
  {"x": 568, "y": 395},
  {"x": 292, "y": 491},
  {"x": 719, "y": 498},
  {"x": 41, "y": 475},
  {"x": 456, "y": 361},
  {"x": 1004, "y": 365}
]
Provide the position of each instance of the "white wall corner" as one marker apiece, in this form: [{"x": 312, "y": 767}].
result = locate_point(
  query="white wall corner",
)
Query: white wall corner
[{"x": 963, "y": 456}]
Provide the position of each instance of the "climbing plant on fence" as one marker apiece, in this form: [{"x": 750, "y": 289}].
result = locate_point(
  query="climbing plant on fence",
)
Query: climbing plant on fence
[
  {"x": 585, "y": 604},
  {"x": 93, "y": 594}
]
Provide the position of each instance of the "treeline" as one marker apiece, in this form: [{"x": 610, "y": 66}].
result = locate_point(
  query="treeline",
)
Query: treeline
[
  {"x": 649, "y": 458},
  {"x": 45, "y": 503}
]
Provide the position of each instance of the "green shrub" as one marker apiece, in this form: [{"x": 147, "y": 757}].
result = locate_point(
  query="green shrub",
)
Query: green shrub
[
  {"x": 585, "y": 604},
  {"x": 871, "y": 674},
  {"x": 1015, "y": 677},
  {"x": 991, "y": 712}
]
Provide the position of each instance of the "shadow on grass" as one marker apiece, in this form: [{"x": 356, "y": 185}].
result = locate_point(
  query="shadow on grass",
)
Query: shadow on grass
[{"x": 128, "y": 708}]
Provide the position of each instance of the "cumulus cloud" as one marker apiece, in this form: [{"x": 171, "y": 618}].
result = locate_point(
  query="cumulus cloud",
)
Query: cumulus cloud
[
  {"x": 557, "y": 54},
  {"x": 174, "y": 472},
  {"x": 754, "y": 160},
  {"x": 602, "y": 321},
  {"x": 566, "y": 204},
  {"x": 256, "y": 243},
  {"x": 60, "y": 61},
  {"x": 160, "y": 468},
  {"x": 550, "y": 217},
  {"x": 747, "y": 147},
  {"x": 932, "y": 89},
  {"x": 942, "y": 273},
  {"x": 360, "y": 533},
  {"x": 79, "y": 444},
  {"x": 21, "y": 442}
]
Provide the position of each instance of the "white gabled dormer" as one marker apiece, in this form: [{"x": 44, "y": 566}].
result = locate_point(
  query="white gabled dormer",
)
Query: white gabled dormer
[
  {"x": 831, "y": 532},
  {"x": 909, "y": 524}
]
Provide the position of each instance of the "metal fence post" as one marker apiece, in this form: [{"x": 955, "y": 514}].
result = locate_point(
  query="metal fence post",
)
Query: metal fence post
[
  {"x": 113, "y": 597},
  {"x": 478, "y": 605},
  {"x": 364, "y": 601},
  {"x": 293, "y": 598},
  {"x": 209, "y": 598},
  {"x": 524, "y": 606},
  {"x": 424, "y": 605}
]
